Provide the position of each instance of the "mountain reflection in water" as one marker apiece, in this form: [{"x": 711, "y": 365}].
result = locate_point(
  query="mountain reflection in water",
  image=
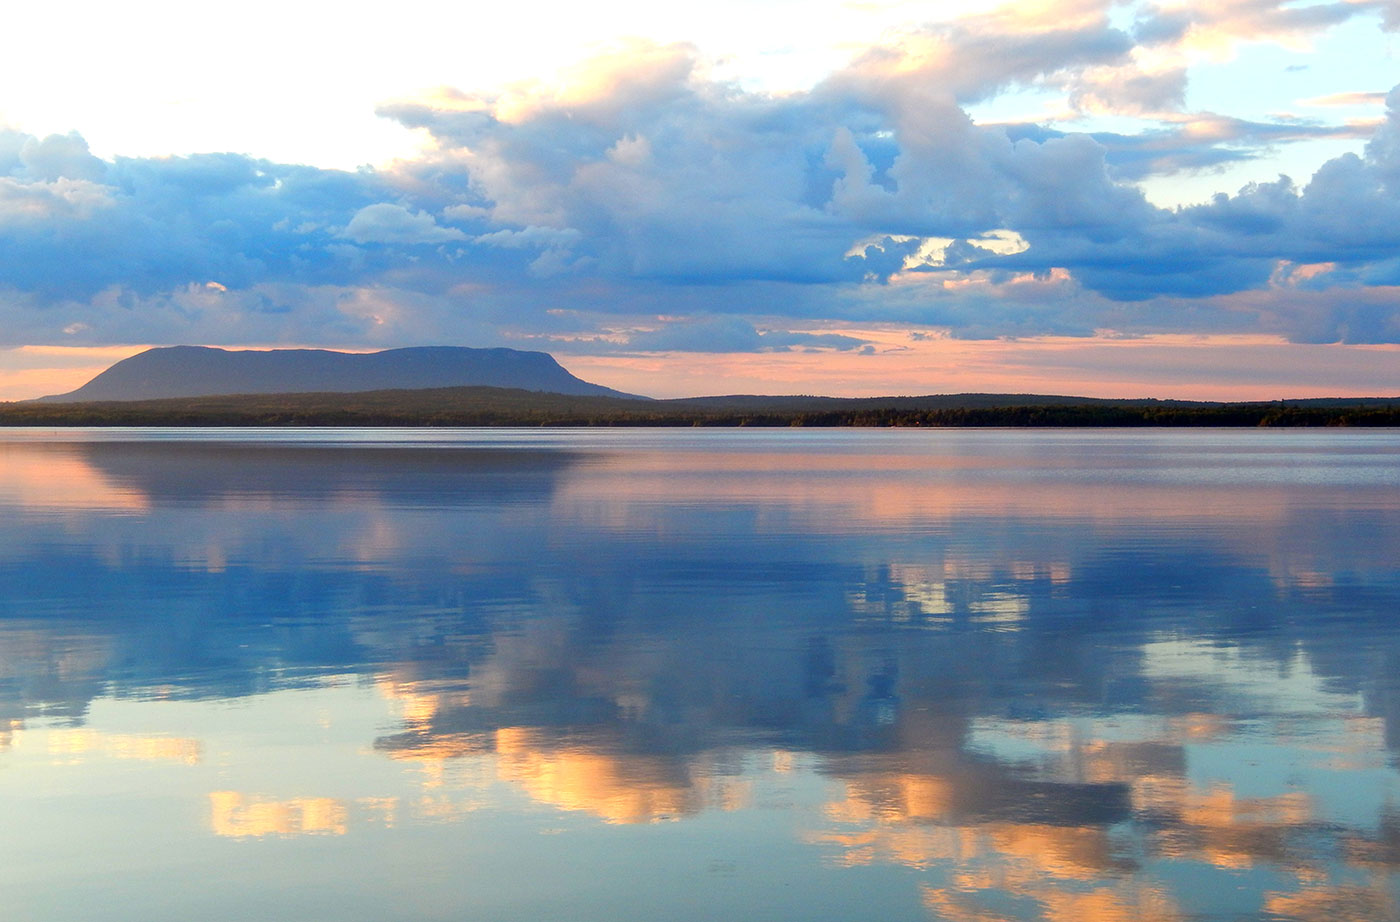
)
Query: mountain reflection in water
[{"x": 963, "y": 676}]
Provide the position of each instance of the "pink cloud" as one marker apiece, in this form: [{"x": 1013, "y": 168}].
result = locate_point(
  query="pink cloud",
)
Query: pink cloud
[{"x": 1175, "y": 366}]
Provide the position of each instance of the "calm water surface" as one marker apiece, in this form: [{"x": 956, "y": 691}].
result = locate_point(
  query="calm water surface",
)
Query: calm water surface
[{"x": 676, "y": 675}]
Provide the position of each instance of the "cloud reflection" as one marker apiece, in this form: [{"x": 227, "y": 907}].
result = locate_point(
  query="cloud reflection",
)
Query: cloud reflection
[
  {"x": 1058, "y": 676},
  {"x": 239, "y": 815},
  {"x": 78, "y": 744}
]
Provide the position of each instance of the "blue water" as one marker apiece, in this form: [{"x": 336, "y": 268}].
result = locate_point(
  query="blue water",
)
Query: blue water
[{"x": 697, "y": 674}]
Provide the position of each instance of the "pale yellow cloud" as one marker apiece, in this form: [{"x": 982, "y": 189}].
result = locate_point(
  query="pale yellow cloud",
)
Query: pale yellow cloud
[{"x": 1344, "y": 100}]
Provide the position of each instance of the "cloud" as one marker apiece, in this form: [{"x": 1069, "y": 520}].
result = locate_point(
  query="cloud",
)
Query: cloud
[
  {"x": 1128, "y": 90},
  {"x": 43, "y": 204},
  {"x": 1193, "y": 143},
  {"x": 713, "y": 334},
  {"x": 154, "y": 225},
  {"x": 974, "y": 57},
  {"x": 57, "y": 157},
  {"x": 1390, "y": 15},
  {"x": 384, "y": 222},
  {"x": 1215, "y": 28},
  {"x": 1338, "y": 100},
  {"x": 645, "y": 187},
  {"x": 1348, "y": 213},
  {"x": 542, "y": 237}
]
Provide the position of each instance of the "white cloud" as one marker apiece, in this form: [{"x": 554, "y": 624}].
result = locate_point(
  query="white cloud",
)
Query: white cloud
[
  {"x": 648, "y": 184},
  {"x": 532, "y": 236},
  {"x": 384, "y": 222}
]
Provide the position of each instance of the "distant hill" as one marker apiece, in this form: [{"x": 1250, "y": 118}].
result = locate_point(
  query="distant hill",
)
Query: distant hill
[{"x": 197, "y": 371}]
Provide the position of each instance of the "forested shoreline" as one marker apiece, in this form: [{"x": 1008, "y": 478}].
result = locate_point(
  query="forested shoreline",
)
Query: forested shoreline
[{"x": 485, "y": 406}]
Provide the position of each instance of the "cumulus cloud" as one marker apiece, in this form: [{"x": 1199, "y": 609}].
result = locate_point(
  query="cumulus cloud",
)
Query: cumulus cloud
[
  {"x": 385, "y": 222},
  {"x": 643, "y": 187},
  {"x": 974, "y": 57},
  {"x": 1348, "y": 213},
  {"x": 1129, "y": 90},
  {"x": 58, "y": 157},
  {"x": 44, "y": 204}
]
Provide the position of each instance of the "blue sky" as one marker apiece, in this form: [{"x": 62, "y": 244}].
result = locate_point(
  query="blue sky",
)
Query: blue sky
[{"x": 1109, "y": 198}]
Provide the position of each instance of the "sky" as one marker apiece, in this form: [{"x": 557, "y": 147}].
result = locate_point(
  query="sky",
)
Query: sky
[{"x": 854, "y": 198}]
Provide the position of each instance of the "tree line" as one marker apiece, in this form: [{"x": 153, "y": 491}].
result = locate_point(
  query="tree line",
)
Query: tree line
[{"x": 484, "y": 406}]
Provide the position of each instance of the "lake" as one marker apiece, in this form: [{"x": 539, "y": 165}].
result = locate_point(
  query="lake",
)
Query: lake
[{"x": 700, "y": 674}]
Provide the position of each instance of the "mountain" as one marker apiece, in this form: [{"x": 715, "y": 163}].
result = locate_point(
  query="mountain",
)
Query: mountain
[{"x": 198, "y": 371}]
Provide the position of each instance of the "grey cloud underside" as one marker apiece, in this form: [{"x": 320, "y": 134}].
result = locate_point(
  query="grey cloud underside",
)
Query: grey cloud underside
[
  {"x": 718, "y": 334},
  {"x": 1175, "y": 150},
  {"x": 668, "y": 193}
]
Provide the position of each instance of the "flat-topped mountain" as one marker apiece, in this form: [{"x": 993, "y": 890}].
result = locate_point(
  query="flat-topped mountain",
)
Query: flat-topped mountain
[{"x": 198, "y": 371}]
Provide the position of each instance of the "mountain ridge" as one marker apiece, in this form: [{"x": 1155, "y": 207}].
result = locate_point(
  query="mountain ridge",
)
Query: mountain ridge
[{"x": 206, "y": 371}]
